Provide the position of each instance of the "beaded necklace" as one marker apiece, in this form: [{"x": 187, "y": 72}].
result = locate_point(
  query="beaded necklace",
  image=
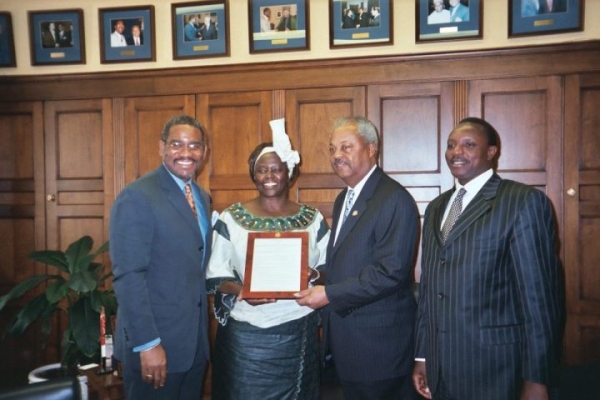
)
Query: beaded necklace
[{"x": 250, "y": 222}]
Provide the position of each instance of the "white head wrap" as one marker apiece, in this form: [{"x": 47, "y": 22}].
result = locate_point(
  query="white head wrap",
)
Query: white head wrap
[{"x": 281, "y": 146}]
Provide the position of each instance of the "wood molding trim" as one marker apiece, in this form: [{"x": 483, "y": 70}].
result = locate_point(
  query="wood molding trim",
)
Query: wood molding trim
[{"x": 479, "y": 64}]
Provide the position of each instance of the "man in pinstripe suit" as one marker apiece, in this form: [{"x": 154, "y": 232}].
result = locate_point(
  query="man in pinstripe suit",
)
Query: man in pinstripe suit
[{"x": 491, "y": 297}]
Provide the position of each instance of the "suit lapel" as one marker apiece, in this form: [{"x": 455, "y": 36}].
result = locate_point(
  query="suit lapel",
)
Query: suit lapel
[
  {"x": 177, "y": 199},
  {"x": 480, "y": 204},
  {"x": 438, "y": 214},
  {"x": 358, "y": 209}
]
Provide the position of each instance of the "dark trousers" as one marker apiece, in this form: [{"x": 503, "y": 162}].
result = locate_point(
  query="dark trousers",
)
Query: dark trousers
[
  {"x": 442, "y": 392},
  {"x": 391, "y": 389},
  {"x": 187, "y": 385}
]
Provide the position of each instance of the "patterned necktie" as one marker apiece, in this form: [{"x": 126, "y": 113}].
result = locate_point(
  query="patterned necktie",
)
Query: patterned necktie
[
  {"x": 349, "y": 203},
  {"x": 453, "y": 215},
  {"x": 190, "y": 199}
]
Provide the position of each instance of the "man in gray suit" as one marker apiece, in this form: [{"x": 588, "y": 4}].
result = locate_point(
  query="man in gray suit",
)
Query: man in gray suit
[
  {"x": 159, "y": 245},
  {"x": 369, "y": 305},
  {"x": 491, "y": 297}
]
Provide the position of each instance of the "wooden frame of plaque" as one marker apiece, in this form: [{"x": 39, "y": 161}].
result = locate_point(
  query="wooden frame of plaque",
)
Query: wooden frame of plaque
[{"x": 283, "y": 254}]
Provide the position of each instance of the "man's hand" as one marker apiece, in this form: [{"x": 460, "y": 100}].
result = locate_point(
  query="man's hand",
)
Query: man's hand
[
  {"x": 154, "y": 366},
  {"x": 534, "y": 391},
  {"x": 314, "y": 297},
  {"x": 419, "y": 377}
]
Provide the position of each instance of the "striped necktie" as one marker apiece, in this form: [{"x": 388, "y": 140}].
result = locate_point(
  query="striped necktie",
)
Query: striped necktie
[{"x": 349, "y": 204}]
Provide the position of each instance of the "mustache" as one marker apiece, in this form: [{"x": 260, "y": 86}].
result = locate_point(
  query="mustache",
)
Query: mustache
[
  {"x": 185, "y": 159},
  {"x": 455, "y": 159},
  {"x": 339, "y": 161}
]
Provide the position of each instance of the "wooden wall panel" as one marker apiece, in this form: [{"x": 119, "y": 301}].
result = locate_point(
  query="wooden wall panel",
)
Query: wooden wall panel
[
  {"x": 582, "y": 217},
  {"x": 110, "y": 123},
  {"x": 414, "y": 121},
  {"x": 236, "y": 123},
  {"x": 526, "y": 112},
  {"x": 143, "y": 120},
  {"x": 310, "y": 114}
]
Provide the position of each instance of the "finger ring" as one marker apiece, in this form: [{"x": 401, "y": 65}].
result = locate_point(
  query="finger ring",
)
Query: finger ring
[{"x": 149, "y": 376}]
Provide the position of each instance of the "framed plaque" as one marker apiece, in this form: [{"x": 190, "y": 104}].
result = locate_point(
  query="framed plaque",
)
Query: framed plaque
[{"x": 276, "y": 265}]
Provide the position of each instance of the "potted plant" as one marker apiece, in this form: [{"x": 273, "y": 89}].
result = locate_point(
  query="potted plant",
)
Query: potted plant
[{"x": 76, "y": 290}]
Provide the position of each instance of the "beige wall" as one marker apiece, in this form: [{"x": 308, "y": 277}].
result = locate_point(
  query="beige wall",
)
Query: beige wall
[{"x": 495, "y": 35}]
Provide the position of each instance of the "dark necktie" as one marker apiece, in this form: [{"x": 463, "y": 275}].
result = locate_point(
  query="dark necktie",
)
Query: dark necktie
[{"x": 453, "y": 215}]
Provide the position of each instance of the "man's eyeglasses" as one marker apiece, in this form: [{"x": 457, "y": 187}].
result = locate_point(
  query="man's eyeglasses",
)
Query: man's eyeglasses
[{"x": 176, "y": 145}]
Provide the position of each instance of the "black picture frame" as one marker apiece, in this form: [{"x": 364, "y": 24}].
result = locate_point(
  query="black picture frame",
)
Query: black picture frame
[
  {"x": 49, "y": 47},
  {"x": 348, "y": 26},
  {"x": 279, "y": 38},
  {"x": 207, "y": 37},
  {"x": 117, "y": 38},
  {"x": 527, "y": 17},
  {"x": 7, "y": 42},
  {"x": 458, "y": 20}
]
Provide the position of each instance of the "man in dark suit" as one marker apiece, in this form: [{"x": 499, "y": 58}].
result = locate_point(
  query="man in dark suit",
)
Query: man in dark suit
[
  {"x": 287, "y": 22},
  {"x": 362, "y": 19},
  {"x": 136, "y": 38},
  {"x": 209, "y": 29},
  {"x": 369, "y": 305},
  {"x": 552, "y": 6},
  {"x": 64, "y": 36},
  {"x": 160, "y": 247},
  {"x": 491, "y": 303}
]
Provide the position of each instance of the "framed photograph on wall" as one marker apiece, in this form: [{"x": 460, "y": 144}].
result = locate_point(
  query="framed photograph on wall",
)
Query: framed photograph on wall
[
  {"x": 7, "y": 42},
  {"x": 449, "y": 20},
  {"x": 200, "y": 29},
  {"x": 278, "y": 25},
  {"x": 127, "y": 34},
  {"x": 540, "y": 17},
  {"x": 56, "y": 37},
  {"x": 360, "y": 23}
]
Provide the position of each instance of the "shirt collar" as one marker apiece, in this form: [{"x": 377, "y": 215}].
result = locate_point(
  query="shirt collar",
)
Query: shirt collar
[
  {"x": 180, "y": 182},
  {"x": 359, "y": 186},
  {"x": 475, "y": 184}
]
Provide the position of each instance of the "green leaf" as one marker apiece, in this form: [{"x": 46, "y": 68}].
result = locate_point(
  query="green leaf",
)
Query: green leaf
[
  {"x": 104, "y": 248},
  {"x": 83, "y": 281},
  {"x": 46, "y": 320},
  {"x": 57, "y": 291},
  {"x": 104, "y": 299},
  {"x": 78, "y": 252},
  {"x": 23, "y": 287},
  {"x": 85, "y": 326},
  {"x": 51, "y": 257},
  {"x": 29, "y": 313}
]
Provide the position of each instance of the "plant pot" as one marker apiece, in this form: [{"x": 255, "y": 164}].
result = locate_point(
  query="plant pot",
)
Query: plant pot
[{"x": 47, "y": 372}]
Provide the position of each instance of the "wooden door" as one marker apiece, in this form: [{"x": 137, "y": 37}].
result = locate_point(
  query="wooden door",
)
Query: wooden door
[
  {"x": 22, "y": 226},
  {"x": 78, "y": 191},
  {"x": 582, "y": 218},
  {"x": 414, "y": 121},
  {"x": 310, "y": 114}
]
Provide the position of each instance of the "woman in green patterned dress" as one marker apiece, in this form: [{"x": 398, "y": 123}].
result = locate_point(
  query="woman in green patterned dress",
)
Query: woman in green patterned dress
[{"x": 265, "y": 348}]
